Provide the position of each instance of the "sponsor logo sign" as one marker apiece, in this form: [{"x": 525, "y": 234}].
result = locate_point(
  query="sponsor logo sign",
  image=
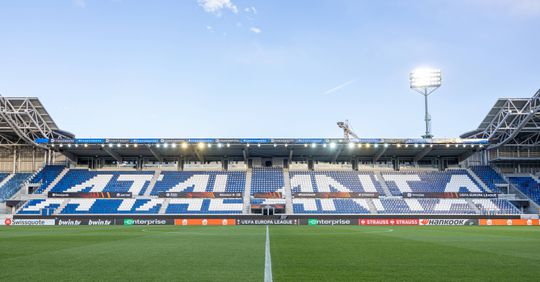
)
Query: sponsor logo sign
[
  {"x": 122, "y": 195},
  {"x": 509, "y": 222},
  {"x": 76, "y": 222},
  {"x": 36, "y": 222},
  {"x": 204, "y": 222},
  {"x": 454, "y": 195},
  {"x": 200, "y": 195},
  {"x": 141, "y": 221},
  {"x": 68, "y": 222},
  {"x": 268, "y": 195},
  {"x": 100, "y": 222},
  {"x": 447, "y": 222},
  {"x": 388, "y": 221},
  {"x": 6, "y": 221},
  {"x": 336, "y": 195},
  {"x": 266, "y": 221},
  {"x": 336, "y": 221}
]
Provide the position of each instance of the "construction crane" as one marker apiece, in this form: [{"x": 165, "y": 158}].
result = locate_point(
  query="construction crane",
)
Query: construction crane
[{"x": 347, "y": 131}]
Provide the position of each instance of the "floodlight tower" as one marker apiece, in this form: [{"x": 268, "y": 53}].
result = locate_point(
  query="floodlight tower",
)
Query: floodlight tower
[
  {"x": 347, "y": 131},
  {"x": 425, "y": 81}
]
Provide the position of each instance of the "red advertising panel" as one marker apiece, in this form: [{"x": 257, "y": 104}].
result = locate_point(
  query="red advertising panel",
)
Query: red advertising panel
[
  {"x": 204, "y": 222},
  {"x": 388, "y": 221}
]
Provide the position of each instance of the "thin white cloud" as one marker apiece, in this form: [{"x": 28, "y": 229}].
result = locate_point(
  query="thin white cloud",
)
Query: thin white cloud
[
  {"x": 217, "y": 6},
  {"x": 250, "y": 10},
  {"x": 345, "y": 84},
  {"x": 210, "y": 28},
  {"x": 255, "y": 30},
  {"x": 79, "y": 3}
]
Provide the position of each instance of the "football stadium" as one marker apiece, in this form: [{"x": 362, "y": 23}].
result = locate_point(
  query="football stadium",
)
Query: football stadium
[
  {"x": 343, "y": 208},
  {"x": 264, "y": 208}
]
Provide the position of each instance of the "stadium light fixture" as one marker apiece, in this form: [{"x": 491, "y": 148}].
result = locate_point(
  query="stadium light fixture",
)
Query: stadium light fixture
[
  {"x": 173, "y": 145},
  {"x": 313, "y": 145},
  {"x": 219, "y": 145},
  {"x": 184, "y": 145},
  {"x": 332, "y": 145},
  {"x": 425, "y": 81},
  {"x": 135, "y": 145},
  {"x": 201, "y": 145},
  {"x": 228, "y": 145}
]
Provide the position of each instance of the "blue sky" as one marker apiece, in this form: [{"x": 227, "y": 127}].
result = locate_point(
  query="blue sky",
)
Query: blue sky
[{"x": 231, "y": 68}]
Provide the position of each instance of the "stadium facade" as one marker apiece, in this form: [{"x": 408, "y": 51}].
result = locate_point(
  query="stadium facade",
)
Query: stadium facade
[{"x": 51, "y": 177}]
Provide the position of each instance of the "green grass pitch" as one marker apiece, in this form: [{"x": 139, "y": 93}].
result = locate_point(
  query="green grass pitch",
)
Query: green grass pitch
[{"x": 307, "y": 253}]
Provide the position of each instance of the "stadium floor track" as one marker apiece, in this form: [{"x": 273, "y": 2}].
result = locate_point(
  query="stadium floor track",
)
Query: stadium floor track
[{"x": 299, "y": 253}]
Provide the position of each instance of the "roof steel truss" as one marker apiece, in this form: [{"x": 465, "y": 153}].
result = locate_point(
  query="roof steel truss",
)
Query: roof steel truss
[
  {"x": 516, "y": 123},
  {"x": 22, "y": 123}
]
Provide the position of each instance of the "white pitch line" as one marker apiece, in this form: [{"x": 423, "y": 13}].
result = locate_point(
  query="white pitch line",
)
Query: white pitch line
[{"x": 267, "y": 259}]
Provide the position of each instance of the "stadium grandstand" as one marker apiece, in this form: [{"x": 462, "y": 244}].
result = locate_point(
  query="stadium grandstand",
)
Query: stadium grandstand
[{"x": 489, "y": 172}]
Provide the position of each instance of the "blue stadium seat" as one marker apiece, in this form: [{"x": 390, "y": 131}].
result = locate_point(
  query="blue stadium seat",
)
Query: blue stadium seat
[
  {"x": 265, "y": 180},
  {"x": 330, "y": 206},
  {"x": 12, "y": 184},
  {"x": 528, "y": 185},
  {"x": 45, "y": 176},
  {"x": 457, "y": 180},
  {"x": 205, "y": 206},
  {"x": 489, "y": 176},
  {"x": 200, "y": 181},
  {"x": 34, "y": 207},
  {"x": 84, "y": 180},
  {"x": 113, "y": 206},
  {"x": 334, "y": 181}
]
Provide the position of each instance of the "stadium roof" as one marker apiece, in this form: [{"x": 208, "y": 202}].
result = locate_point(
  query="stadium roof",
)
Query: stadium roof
[
  {"x": 511, "y": 121},
  {"x": 319, "y": 149},
  {"x": 24, "y": 119}
]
